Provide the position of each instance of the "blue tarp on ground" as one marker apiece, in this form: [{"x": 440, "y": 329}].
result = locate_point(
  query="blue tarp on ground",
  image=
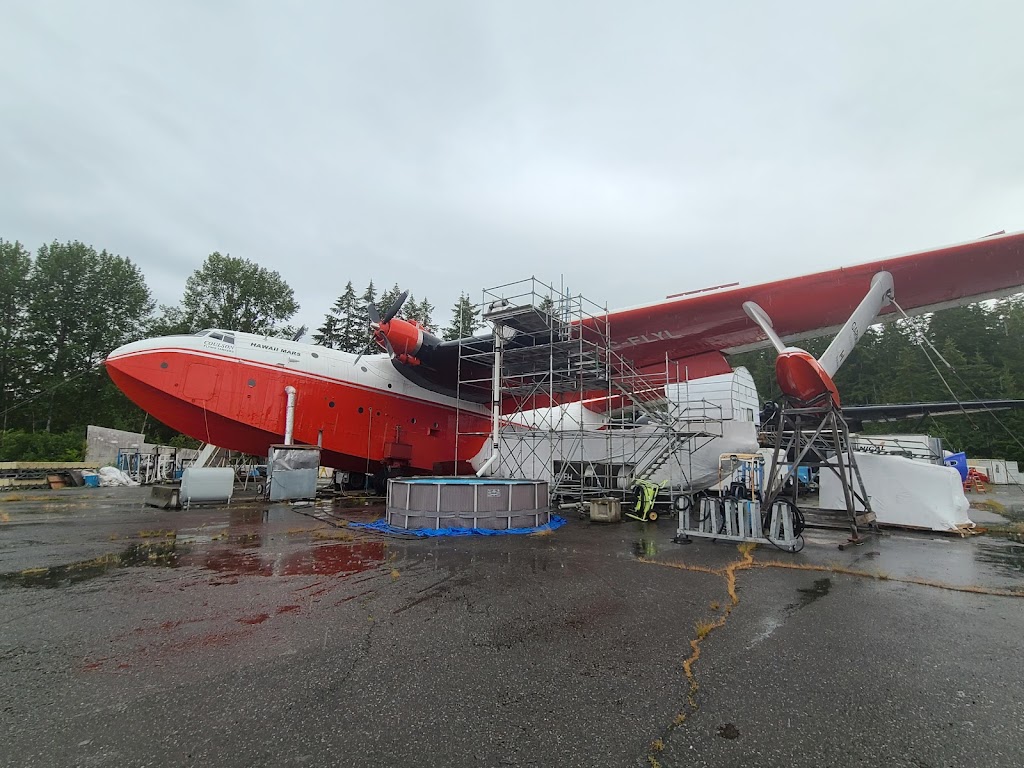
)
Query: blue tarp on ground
[{"x": 381, "y": 526}]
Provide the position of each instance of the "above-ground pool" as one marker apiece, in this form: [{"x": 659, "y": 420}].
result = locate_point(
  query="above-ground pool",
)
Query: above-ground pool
[{"x": 496, "y": 503}]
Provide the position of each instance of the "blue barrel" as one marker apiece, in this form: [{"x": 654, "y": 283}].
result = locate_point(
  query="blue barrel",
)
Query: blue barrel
[{"x": 959, "y": 462}]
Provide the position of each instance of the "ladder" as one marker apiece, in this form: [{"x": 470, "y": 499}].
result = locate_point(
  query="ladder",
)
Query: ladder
[{"x": 207, "y": 455}]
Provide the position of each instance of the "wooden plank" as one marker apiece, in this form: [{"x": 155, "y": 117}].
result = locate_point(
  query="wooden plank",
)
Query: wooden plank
[{"x": 44, "y": 465}]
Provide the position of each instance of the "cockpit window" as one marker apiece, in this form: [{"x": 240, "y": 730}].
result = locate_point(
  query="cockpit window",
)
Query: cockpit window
[{"x": 228, "y": 338}]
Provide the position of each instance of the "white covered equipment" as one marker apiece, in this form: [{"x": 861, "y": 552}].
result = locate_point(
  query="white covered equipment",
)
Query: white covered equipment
[{"x": 905, "y": 493}]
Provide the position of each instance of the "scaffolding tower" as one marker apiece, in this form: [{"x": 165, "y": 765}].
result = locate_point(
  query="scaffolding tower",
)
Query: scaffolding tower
[{"x": 550, "y": 355}]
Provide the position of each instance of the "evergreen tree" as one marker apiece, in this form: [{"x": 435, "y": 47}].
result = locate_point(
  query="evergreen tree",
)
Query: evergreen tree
[
  {"x": 369, "y": 296},
  {"x": 353, "y": 326},
  {"x": 327, "y": 334},
  {"x": 388, "y": 298},
  {"x": 465, "y": 319},
  {"x": 344, "y": 323},
  {"x": 420, "y": 311}
]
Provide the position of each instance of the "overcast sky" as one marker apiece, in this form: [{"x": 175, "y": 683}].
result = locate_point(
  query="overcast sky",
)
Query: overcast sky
[{"x": 632, "y": 150}]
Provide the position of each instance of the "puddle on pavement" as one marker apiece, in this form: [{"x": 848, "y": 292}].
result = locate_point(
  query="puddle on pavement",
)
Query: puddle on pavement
[
  {"x": 324, "y": 559},
  {"x": 819, "y": 589},
  {"x": 161, "y": 554},
  {"x": 645, "y": 548},
  {"x": 1004, "y": 555},
  {"x": 237, "y": 557}
]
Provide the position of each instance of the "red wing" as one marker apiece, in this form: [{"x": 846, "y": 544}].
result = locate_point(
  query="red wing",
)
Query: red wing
[{"x": 815, "y": 304}]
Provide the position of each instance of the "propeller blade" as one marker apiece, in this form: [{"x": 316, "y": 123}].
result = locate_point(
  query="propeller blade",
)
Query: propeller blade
[
  {"x": 759, "y": 316},
  {"x": 394, "y": 308},
  {"x": 879, "y": 295},
  {"x": 371, "y": 310}
]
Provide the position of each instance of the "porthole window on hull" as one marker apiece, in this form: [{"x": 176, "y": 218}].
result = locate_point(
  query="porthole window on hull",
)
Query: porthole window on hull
[
  {"x": 252, "y": 382},
  {"x": 163, "y": 365}
]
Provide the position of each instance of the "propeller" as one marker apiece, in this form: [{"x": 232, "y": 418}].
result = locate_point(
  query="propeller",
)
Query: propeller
[
  {"x": 394, "y": 309},
  {"x": 805, "y": 379},
  {"x": 376, "y": 322}
]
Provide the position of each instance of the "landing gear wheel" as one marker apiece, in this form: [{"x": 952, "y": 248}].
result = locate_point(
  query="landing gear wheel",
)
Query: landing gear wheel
[
  {"x": 259, "y": 489},
  {"x": 652, "y": 516}
]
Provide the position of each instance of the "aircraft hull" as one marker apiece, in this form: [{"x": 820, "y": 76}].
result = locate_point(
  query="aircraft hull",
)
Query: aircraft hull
[{"x": 240, "y": 405}]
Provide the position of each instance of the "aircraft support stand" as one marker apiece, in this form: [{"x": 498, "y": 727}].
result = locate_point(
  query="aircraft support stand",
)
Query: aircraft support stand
[{"x": 819, "y": 437}]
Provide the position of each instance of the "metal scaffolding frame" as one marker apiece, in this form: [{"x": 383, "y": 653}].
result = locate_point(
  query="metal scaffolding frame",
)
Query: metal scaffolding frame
[
  {"x": 819, "y": 437},
  {"x": 558, "y": 349}
]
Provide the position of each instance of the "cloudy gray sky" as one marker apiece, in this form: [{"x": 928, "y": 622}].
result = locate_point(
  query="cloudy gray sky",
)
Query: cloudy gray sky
[{"x": 630, "y": 149}]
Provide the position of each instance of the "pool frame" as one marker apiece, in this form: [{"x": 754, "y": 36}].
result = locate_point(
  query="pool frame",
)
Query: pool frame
[{"x": 467, "y": 502}]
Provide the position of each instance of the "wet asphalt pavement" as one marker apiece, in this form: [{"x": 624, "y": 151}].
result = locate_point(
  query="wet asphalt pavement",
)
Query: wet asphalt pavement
[{"x": 132, "y": 636}]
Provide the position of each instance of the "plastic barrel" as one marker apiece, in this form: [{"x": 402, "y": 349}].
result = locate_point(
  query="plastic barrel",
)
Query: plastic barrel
[{"x": 959, "y": 462}]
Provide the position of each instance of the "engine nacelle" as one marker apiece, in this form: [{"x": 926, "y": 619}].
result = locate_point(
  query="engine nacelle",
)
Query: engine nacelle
[
  {"x": 802, "y": 379},
  {"x": 404, "y": 339}
]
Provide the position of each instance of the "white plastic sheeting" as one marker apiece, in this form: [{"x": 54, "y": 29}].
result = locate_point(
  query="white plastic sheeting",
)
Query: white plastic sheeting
[
  {"x": 112, "y": 476},
  {"x": 560, "y": 417},
  {"x": 904, "y": 492}
]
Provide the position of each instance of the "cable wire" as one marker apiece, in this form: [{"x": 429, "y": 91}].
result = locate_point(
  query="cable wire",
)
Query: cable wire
[
  {"x": 922, "y": 340},
  {"x": 52, "y": 389}
]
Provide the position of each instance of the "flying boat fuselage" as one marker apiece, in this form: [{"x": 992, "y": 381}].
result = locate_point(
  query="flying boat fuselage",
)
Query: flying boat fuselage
[{"x": 228, "y": 389}]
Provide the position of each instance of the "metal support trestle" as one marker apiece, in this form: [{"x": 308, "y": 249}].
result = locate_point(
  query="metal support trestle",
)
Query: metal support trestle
[{"x": 818, "y": 438}]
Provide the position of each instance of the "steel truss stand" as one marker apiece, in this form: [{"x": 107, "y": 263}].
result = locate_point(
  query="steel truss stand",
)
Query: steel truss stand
[{"x": 818, "y": 437}]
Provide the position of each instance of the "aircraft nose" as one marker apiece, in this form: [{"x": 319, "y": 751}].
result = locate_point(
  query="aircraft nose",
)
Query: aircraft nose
[
  {"x": 126, "y": 350},
  {"x": 128, "y": 357},
  {"x": 119, "y": 352}
]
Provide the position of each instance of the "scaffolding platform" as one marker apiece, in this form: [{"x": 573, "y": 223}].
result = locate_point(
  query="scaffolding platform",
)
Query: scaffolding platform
[{"x": 554, "y": 357}]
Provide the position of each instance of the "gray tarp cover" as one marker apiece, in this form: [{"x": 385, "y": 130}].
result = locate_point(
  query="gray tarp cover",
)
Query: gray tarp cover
[{"x": 296, "y": 457}]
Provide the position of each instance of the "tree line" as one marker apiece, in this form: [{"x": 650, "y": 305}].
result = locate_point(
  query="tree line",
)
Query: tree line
[
  {"x": 64, "y": 307},
  {"x": 346, "y": 323}
]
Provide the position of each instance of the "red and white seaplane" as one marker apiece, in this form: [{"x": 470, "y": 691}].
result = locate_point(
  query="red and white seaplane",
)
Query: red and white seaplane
[{"x": 401, "y": 408}]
